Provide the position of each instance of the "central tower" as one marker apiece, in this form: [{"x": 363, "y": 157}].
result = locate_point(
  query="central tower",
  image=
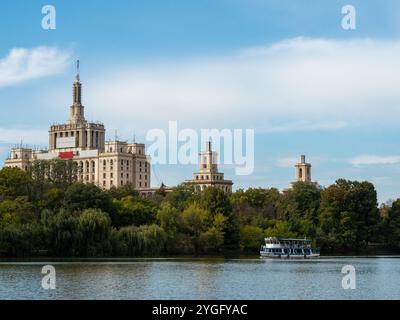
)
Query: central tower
[
  {"x": 77, "y": 110},
  {"x": 77, "y": 134}
]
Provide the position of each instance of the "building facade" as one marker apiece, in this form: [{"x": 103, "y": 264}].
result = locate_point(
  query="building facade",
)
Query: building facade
[
  {"x": 208, "y": 174},
  {"x": 104, "y": 163}
]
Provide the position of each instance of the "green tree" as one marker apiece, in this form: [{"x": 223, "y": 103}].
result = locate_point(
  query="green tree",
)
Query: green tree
[
  {"x": 349, "y": 216},
  {"x": 215, "y": 201},
  {"x": 251, "y": 238},
  {"x": 146, "y": 240},
  {"x": 194, "y": 219},
  {"x": 14, "y": 183},
  {"x": 81, "y": 196},
  {"x": 133, "y": 210},
  {"x": 94, "y": 230}
]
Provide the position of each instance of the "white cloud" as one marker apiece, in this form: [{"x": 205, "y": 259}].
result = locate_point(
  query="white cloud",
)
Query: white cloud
[
  {"x": 298, "y": 84},
  {"x": 24, "y": 64},
  {"x": 287, "y": 162},
  {"x": 374, "y": 160}
]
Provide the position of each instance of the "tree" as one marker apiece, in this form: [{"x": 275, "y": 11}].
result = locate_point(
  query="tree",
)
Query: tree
[
  {"x": 251, "y": 238},
  {"x": 216, "y": 202},
  {"x": 94, "y": 229},
  {"x": 146, "y": 240},
  {"x": 194, "y": 220},
  {"x": 133, "y": 210},
  {"x": 349, "y": 216},
  {"x": 392, "y": 224},
  {"x": 280, "y": 229},
  {"x": 181, "y": 196},
  {"x": 81, "y": 196},
  {"x": 14, "y": 183},
  {"x": 62, "y": 232}
]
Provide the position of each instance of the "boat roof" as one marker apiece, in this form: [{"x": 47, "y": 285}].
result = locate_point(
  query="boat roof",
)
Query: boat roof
[{"x": 287, "y": 239}]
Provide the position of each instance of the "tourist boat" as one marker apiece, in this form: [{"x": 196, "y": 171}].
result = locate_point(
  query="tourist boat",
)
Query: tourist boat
[{"x": 288, "y": 248}]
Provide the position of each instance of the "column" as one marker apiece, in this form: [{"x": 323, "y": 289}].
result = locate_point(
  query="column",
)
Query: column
[{"x": 89, "y": 139}]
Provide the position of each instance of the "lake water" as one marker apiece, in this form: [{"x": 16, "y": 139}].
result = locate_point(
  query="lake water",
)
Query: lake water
[{"x": 376, "y": 278}]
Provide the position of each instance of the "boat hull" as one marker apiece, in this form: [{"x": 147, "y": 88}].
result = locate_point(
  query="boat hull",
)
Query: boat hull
[{"x": 288, "y": 256}]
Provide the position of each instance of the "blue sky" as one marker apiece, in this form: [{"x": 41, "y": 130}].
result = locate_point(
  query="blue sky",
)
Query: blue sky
[{"x": 285, "y": 68}]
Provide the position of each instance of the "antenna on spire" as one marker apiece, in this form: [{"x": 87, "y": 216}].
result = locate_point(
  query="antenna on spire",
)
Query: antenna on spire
[{"x": 77, "y": 70}]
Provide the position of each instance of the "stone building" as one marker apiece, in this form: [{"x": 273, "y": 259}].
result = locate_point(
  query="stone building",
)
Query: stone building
[
  {"x": 104, "y": 163},
  {"x": 303, "y": 170},
  {"x": 208, "y": 174}
]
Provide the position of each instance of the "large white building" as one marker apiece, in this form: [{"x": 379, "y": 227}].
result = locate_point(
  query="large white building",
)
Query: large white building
[{"x": 104, "y": 163}]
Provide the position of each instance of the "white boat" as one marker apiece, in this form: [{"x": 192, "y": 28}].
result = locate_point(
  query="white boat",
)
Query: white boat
[{"x": 288, "y": 248}]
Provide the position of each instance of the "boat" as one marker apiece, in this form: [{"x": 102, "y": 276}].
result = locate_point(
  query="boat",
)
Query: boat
[{"x": 286, "y": 248}]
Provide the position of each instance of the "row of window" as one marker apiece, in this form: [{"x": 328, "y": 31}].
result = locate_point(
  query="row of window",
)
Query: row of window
[
  {"x": 202, "y": 177},
  {"x": 121, "y": 150}
]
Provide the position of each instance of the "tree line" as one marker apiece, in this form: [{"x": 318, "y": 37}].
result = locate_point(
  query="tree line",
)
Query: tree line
[{"x": 46, "y": 212}]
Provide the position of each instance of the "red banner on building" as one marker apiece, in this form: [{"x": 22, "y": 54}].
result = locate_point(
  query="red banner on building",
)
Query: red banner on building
[{"x": 67, "y": 155}]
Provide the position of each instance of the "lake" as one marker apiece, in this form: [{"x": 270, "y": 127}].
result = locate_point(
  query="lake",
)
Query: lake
[{"x": 376, "y": 278}]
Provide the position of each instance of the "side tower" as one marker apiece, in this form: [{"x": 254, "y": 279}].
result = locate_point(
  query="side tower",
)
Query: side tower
[
  {"x": 208, "y": 174},
  {"x": 303, "y": 170}
]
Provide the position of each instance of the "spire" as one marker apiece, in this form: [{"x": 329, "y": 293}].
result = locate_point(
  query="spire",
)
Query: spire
[
  {"x": 77, "y": 88},
  {"x": 77, "y": 109},
  {"x": 208, "y": 146},
  {"x": 77, "y": 71}
]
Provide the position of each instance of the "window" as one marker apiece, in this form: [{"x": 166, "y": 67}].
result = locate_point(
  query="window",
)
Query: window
[
  {"x": 111, "y": 175},
  {"x": 104, "y": 175}
]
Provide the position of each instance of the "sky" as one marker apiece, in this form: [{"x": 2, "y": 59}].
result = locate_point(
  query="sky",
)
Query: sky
[{"x": 285, "y": 68}]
